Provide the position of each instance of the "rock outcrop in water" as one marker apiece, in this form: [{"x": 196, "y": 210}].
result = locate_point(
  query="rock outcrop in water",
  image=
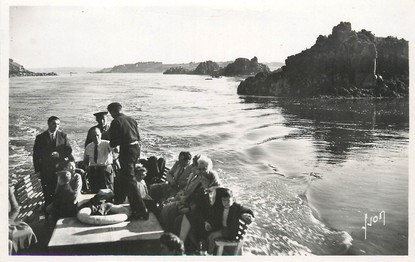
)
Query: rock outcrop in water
[
  {"x": 204, "y": 68},
  {"x": 207, "y": 68},
  {"x": 177, "y": 71},
  {"x": 244, "y": 66},
  {"x": 241, "y": 66},
  {"x": 16, "y": 69},
  {"x": 345, "y": 63}
]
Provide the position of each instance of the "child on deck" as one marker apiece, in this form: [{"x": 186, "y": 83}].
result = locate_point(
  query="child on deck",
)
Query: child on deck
[
  {"x": 140, "y": 173},
  {"x": 225, "y": 219},
  {"x": 63, "y": 204},
  {"x": 76, "y": 177}
]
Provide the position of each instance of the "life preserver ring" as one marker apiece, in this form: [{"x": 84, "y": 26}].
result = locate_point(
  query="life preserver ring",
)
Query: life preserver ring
[{"x": 119, "y": 214}]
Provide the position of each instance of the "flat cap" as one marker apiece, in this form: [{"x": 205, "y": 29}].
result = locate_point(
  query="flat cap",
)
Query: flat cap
[
  {"x": 101, "y": 114},
  {"x": 114, "y": 106}
]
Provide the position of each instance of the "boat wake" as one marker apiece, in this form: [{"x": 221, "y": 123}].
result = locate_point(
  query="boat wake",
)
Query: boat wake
[{"x": 286, "y": 224}]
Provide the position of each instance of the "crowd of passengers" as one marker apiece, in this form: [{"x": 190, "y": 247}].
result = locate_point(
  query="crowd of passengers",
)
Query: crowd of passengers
[{"x": 191, "y": 203}]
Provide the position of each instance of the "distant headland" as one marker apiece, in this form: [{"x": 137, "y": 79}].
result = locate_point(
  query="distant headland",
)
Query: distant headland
[
  {"x": 345, "y": 63},
  {"x": 143, "y": 67},
  {"x": 16, "y": 69}
]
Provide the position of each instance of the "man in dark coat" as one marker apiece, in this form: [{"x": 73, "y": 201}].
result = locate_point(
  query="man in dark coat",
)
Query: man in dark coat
[
  {"x": 101, "y": 118},
  {"x": 223, "y": 218},
  {"x": 124, "y": 133},
  {"x": 51, "y": 148}
]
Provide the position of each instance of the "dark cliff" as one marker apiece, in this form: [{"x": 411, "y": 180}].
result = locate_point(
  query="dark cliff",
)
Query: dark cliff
[
  {"x": 345, "y": 63},
  {"x": 16, "y": 69}
]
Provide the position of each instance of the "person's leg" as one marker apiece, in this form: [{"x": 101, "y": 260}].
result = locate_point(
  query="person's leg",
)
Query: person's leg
[
  {"x": 48, "y": 189},
  {"x": 128, "y": 158},
  {"x": 52, "y": 216},
  {"x": 184, "y": 228},
  {"x": 109, "y": 178},
  {"x": 168, "y": 215},
  {"x": 93, "y": 179},
  {"x": 119, "y": 192},
  {"x": 211, "y": 241}
]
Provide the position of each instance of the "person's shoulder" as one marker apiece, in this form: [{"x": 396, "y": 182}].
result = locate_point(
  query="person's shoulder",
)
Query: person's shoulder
[
  {"x": 89, "y": 145},
  {"x": 91, "y": 128},
  {"x": 241, "y": 207},
  {"x": 61, "y": 133},
  {"x": 175, "y": 165},
  {"x": 105, "y": 142},
  {"x": 44, "y": 133}
]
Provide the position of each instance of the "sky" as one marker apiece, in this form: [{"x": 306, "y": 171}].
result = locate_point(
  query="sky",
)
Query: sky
[{"x": 104, "y": 34}]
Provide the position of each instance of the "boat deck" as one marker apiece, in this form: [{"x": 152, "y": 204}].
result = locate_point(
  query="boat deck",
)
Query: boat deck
[{"x": 70, "y": 236}]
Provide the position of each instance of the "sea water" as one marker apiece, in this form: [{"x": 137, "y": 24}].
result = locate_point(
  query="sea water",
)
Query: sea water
[{"x": 323, "y": 176}]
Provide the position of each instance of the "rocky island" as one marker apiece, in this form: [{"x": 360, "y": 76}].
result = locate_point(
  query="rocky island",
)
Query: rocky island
[
  {"x": 345, "y": 63},
  {"x": 241, "y": 66},
  {"x": 16, "y": 69},
  {"x": 204, "y": 68}
]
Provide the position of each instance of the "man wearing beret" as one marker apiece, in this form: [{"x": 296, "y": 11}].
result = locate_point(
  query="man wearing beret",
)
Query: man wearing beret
[
  {"x": 124, "y": 133},
  {"x": 101, "y": 118}
]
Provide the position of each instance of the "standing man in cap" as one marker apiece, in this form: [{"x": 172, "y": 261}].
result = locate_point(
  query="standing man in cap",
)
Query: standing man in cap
[
  {"x": 51, "y": 148},
  {"x": 124, "y": 133},
  {"x": 101, "y": 118}
]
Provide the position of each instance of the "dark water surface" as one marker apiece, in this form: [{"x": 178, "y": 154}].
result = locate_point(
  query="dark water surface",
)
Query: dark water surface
[{"x": 311, "y": 169}]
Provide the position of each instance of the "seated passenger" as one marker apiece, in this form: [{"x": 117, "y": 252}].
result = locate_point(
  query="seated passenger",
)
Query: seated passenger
[
  {"x": 99, "y": 159},
  {"x": 224, "y": 223},
  {"x": 64, "y": 203},
  {"x": 176, "y": 178},
  {"x": 21, "y": 235},
  {"x": 76, "y": 177},
  {"x": 202, "y": 177},
  {"x": 171, "y": 244}
]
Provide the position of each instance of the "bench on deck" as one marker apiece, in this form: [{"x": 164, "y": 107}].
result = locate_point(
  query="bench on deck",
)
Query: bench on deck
[
  {"x": 233, "y": 247},
  {"x": 29, "y": 195}
]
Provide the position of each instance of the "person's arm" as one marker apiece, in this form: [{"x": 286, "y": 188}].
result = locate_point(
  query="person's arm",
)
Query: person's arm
[
  {"x": 138, "y": 133},
  {"x": 193, "y": 187},
  {"x": 14, "y": 206},
  {"x": 77, "y": 185},
  {"x": 114, "y": 134},
  {"x": 67, "y": 148},
  {"x": 88, "y": 137},
  {"x": 247, "y": 215},
  {"x": 170, "y": 174},
  {"x": 86, "y": 160},
  {"x": 64, "y": 150}
]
